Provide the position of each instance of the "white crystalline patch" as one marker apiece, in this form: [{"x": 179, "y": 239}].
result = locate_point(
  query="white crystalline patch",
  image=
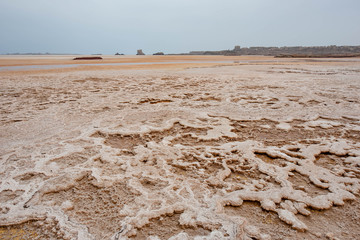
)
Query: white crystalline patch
[
  {"x": 180, "y": 236},
  {"x": 67, "y": 205},
  {"x": 222, "y": 128},
  {"x": 300, "y": 207},
  {"x": 288, "y": 205},
  {"x": 292, "y": 220},
  {"x": 356, "y": 128},
  {"x": 283, "y": 126},
  {"x": 213, "y": 236},
  {"x": 154, "y": 238},
  {"x": 268, "y": 205},
  {"x": 339, "y": 148},
  {"x": 323, "y": 124},
  {"x": 353, "y": 160}
]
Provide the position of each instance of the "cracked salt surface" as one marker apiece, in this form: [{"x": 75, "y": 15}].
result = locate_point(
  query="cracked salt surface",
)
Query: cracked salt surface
[{"x": 176, "y": 155}]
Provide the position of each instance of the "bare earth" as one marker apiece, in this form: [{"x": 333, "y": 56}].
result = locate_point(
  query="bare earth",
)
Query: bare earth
[{"x": 264, "y": 149}]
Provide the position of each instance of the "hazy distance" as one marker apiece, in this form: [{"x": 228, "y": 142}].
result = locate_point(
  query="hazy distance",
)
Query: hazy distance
[{"x": 173, "y": 26}]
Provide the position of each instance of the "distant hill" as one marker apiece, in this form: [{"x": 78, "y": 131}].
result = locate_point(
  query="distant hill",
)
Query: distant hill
[{"x": 316, "y": 51}]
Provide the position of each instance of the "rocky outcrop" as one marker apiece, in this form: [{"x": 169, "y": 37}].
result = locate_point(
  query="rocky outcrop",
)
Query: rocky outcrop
[
  {"x": 140, "y": 52},
  {"x": 87, "y": 58},
  {"x": 159, "y": 53}
]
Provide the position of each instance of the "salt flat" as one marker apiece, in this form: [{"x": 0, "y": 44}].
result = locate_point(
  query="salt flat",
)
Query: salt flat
[{"x": 267, "y": 149}]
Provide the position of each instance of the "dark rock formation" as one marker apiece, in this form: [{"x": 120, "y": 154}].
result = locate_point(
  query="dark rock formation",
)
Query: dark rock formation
[
  {"x": 159, "y": 53},
  {"x": 87, "y": 58},
  {"x": 140, "y": 52},
  {"x": 236, "y": 48},
  {"x": 117, "y": 54}
]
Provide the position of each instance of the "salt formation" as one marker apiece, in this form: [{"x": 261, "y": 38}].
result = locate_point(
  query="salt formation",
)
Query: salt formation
[{"x": 194, "y": 159}]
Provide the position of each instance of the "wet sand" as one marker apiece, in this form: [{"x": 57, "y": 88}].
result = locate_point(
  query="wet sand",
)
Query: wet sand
[
  {"x": 17, "y": 60},
  {"x": 267, "y": 149}
]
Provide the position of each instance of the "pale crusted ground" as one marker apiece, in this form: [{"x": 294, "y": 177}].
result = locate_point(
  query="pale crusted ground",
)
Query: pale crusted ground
[{"x": 248, "y": 151}]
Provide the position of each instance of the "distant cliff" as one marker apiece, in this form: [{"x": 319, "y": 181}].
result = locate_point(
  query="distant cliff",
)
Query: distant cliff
[{"x": 321, "y": 51}]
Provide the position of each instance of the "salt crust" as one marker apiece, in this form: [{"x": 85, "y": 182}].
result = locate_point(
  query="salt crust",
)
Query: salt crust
[
  {"x": 286, "y": 201},
  {"x": 198, "y": 194}
]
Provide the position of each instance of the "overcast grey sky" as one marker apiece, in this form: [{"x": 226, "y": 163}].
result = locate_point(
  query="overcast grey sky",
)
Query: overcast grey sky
[{"x": 173, "y": 26}]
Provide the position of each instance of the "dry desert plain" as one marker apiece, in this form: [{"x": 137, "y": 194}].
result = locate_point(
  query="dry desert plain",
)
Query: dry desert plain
[{"x": 235, "y": 148}]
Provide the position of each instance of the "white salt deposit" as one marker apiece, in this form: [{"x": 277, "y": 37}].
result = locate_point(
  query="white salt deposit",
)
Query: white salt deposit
[{"x": 185, "y": 154}]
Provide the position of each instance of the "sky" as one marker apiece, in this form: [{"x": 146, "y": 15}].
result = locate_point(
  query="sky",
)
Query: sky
[{"x": 173, "y": 26}]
